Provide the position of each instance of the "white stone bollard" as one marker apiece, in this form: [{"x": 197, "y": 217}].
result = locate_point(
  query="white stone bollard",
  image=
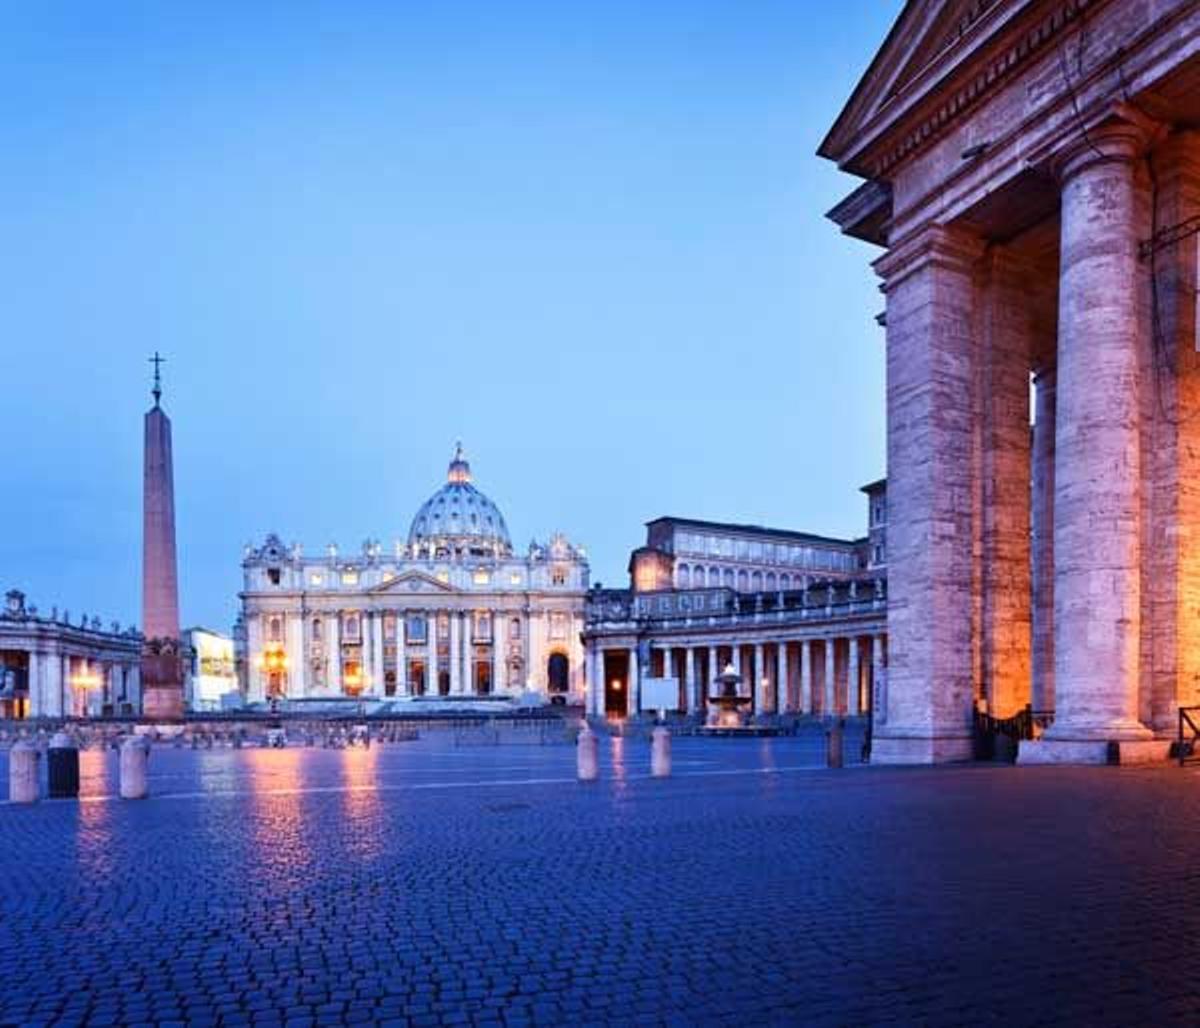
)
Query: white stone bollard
[
  {"x": 660, "y": 752},
  {"x": 135, "y": 753},
  {"x": 23, "y": 773},
  {"x": 585, "y": 755}
]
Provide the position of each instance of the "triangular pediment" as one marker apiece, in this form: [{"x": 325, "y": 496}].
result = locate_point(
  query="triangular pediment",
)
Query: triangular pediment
[
  {"x": 413, "y": 583},
  {"x": 929, "y": 40}
]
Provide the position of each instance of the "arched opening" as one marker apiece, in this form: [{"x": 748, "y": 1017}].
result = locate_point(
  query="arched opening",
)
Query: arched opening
[{"x": 558, "y": 674}]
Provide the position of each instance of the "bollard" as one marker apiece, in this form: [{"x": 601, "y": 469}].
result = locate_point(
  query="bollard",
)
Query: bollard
[
  {"x": 62, "y": 765},
  {"x": 23, "y": 772},
  {"x": 834, "y": 752},
  {"x": 135, "y": 752},
  {"x": 660, "y": 752},
  {"x": 585, "y": 754}
]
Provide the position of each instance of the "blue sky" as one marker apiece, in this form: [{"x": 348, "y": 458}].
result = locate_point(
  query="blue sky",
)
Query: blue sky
[{"x": 587, "y": 239}]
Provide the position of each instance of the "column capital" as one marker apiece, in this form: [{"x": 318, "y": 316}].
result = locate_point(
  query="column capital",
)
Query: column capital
[
  {"x": 948, "y": 246},
  {"x": 1123, "y": 137}
]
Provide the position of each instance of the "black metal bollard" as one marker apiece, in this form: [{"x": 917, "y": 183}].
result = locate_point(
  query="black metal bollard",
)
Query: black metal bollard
[{"x": 62, "y": 766}]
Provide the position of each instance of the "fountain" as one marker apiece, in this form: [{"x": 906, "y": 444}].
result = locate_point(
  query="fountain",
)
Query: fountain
[{"x": 724, "y": 709}]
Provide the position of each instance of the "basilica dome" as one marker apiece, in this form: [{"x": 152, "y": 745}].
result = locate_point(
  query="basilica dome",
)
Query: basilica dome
[{"x": 458, "y": 520}]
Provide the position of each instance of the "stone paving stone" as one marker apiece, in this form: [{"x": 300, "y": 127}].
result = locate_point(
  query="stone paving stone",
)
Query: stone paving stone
[{"x": 270, "y": 894}]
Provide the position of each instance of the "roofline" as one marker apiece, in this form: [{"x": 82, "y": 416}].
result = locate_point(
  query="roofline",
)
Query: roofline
[
  {"x": 874, "y": 487},
  {"x": 757, "y": 529}
]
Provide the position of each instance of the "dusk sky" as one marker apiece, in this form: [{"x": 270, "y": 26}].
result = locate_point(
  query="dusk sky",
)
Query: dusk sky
[{"x": 586, "y": 239}]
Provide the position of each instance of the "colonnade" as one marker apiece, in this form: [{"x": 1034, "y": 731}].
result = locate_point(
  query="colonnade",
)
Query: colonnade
[{"x": 834, "y": 674}]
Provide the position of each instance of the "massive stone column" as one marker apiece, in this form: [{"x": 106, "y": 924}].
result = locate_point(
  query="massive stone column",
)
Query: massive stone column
[
  {"x": 1042, "y": 540},
  {"x": 162, "y": 667},
  {"x": 1003, "y": 595},
  {"x": 456, "y": 685},
  {"x": 932, "y": 369},
  {"x": 1098, "y": 461},
  {"x": 853, "y": 684},
  {"x": 806, "y": 689}
]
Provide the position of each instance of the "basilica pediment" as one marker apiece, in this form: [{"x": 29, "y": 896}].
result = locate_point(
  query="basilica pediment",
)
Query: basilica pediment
[
  {"x": 934, "y": 62},
  {"x": 411, "y": 582}
]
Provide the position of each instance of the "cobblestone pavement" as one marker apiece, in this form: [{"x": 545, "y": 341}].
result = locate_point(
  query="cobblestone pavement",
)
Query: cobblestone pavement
[{"x": 433, "y": 884}]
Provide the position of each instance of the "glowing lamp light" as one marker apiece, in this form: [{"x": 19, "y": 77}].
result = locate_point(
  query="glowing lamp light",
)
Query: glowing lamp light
[{"x": 617, "y": 685}]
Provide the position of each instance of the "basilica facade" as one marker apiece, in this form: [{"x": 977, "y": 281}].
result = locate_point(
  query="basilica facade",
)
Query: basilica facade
[{"x": 452, "y": 611}]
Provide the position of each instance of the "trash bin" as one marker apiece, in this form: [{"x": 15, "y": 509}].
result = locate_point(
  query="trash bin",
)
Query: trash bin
[{"x": 62, "y": 766}]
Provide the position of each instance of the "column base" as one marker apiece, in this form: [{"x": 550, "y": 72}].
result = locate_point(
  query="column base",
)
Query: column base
[
  {"x": 1103, "y": 732},
  {"x": 922, "y": 749},
  {"x": 1091, "y": 751}
]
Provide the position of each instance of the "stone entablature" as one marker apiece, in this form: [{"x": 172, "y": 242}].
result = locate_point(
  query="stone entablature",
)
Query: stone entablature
[{"x": 51, "y": 667}]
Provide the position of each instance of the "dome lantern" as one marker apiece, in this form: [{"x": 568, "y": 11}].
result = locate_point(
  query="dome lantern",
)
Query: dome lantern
[{"x": 458, "y": 520}]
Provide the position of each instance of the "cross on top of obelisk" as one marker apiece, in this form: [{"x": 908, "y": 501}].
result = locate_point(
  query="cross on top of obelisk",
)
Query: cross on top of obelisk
[{"x": 157, "y": 361}]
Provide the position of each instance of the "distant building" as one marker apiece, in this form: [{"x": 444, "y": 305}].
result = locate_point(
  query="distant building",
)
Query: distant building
[
  {"x": 801, "y": 617},
  {"x": 211, "y": 682},
  {"x": 50, "y": 667},
  {"x": 451, "y": 611}
]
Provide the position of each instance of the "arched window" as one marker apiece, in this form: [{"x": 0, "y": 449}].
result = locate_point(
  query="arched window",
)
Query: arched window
[
  {"x": 729, "y": 578},
  {"x": 352, "y": 626},
  {"x": 756, "y": 582},
  {"x": 785, "y": 582},
  {"x": 514, "y": 628},
  {"x": 275, "y": 629},
  {"x": 684, "y": 576},
  {"x": 770, "y": 581},
  {"x": 743, "y": 581},
  {"x": 316, "y": 628}
]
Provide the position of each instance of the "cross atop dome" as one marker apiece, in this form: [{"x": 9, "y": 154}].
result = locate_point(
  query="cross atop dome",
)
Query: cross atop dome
[{"x": 460, "y": 470}]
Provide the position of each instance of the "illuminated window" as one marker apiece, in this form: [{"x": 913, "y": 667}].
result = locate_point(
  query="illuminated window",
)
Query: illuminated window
[
  {"x": 481, "y": 578},
  {"x": 558, "y": 576},
  {"x": 515, "y": 578},
  {"x": 349, "y": 578},
  {"x": 316, "y": 578},
  {"x": 389, "y": 575},
  {"x": 443, "y": 576}
]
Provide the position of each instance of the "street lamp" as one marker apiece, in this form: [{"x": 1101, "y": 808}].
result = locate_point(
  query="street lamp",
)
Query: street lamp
[{"x": 82, "y": 682}]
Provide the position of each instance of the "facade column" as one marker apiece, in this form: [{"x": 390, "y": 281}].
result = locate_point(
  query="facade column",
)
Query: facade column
[
  {"x": 334, "y": 678},
  {"x": 402, "y": 686},
  {"x": 761, "y": 683},
  {"x": 633, "y": 703},
  {"x": 378, "y": 685},
  {"x": 499, "y": 628},
  {"x": 1042, "y": 539},
  {"x": 781, "y": 678},
  {"x": 806, "y": 689},
  {"x": 431, "y": 662},
  {"x": 455, "y": 653},
  {"x": 831, "y": 706},
  {"x": 933, "y": 366},
  {"x": 878, "y": 682},
  {"x": 714, "y": 669},
  {"x": 853, "y": 686},
  {"x": 1097, "y": 489},
  {"x": 468, "y": 652},
  {"x": 693, "y": 693}
]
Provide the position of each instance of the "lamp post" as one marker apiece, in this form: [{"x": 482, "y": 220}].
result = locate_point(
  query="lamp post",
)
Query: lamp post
[{"x": 83, "y": 681}]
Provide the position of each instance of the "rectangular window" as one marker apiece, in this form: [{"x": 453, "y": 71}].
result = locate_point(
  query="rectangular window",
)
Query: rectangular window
[
  {"x": 316, "y": 578},
  {"x": 558, "y": 625},
  {"x": 273, "y": 575},
  {"x": 389, "y": 627},
  {"x": 515, "y": 578},
  {"x": 415, "y": 629},
  {"x": 558, "y": 576},
  {"x": 443, "y": 576},
  {"x": 481, "y": 578}
]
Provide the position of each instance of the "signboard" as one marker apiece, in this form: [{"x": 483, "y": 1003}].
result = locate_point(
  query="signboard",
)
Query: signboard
[{"x": 660, "y": 694}]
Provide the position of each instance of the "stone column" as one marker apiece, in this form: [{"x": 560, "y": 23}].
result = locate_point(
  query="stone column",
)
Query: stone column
[
  {"x": 878, "y": 682},
  {"x": 455, "y": 628},
  {"x": 693, "y": 694},
  {"x": 831, "y": 704},
  {"x": 431, "y": 662},
  {"x": 1004, "y": 592},
  {"x": 806, "y": 689},
  {"x": 402, "y": 686},
  {"x": 297, "y": 659},
  {"x": 782, "y": 703},
  {"x": 1097, "y": 500},
  {"x": 760, "y": 680},
  {"x": 1042, "y": 534},
  {"x": 378, "y": 685},
  {"x": 468, "y": 652},
  {"x": 499, "y": 629},
  {"x": 334, "y": 678},
  {"x": 853, "y": 686},
  {"x": 714, "y": 669},
  {"x": 932, "y": 372},
  {"x": 633, "y": 702}
]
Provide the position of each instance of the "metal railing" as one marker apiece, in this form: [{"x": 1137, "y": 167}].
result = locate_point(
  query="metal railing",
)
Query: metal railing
[{"x": 1189, "y": 733}]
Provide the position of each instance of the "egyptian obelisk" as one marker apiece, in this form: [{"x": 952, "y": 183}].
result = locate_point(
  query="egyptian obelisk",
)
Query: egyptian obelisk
[{"x": 162, "y": 668}]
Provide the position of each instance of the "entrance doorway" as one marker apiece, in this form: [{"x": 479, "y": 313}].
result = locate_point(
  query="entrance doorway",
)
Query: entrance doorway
[
  {"x": 616, "y": 684},
  {"x": 483, "y": 677},
  {"x": 558, "y": 673}
]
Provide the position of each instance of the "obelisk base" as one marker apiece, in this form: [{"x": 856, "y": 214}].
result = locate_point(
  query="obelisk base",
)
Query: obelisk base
[{"x": 162, "y": 680}]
